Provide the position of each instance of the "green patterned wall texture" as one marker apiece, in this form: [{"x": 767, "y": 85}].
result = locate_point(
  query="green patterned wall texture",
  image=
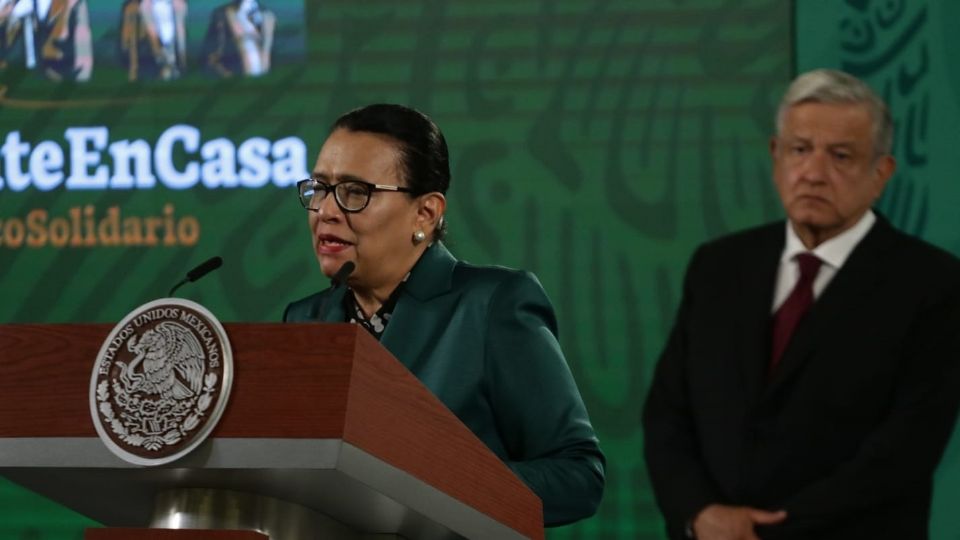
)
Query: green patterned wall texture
[
  {"x": 907, "y": 51},
  {"x": 595, "y": 143}
]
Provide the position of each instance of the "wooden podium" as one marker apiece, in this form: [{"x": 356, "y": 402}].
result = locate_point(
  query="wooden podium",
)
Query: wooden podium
[{"x": 320, "y": 417}]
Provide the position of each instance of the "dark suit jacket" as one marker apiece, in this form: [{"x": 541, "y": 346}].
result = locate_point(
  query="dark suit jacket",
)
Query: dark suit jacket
[
  {"x": 847, "y": 431},
  {"x": 484, "y": 341}
]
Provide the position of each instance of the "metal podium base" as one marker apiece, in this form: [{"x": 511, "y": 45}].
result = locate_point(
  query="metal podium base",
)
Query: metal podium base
[{"x": 233, "y": 510}]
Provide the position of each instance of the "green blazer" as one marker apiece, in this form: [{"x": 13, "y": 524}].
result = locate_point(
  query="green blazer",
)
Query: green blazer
[{"x": 483, "y": 339}]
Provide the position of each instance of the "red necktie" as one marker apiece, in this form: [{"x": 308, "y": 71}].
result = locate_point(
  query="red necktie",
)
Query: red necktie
[{"x": 786, "y": 318}]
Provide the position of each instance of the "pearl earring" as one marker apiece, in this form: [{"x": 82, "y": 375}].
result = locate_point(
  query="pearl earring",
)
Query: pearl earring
[{"x": 419, "y": 236}]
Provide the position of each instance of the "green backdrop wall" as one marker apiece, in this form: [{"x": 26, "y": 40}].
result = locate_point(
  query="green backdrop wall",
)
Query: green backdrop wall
[
  {"x": 595, "y": 143},
  {"x": 908, "y": 52}
]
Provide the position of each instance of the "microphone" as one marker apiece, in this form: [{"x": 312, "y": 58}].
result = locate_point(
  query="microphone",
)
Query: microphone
[
  {"x": 340, "y": 277},
  {"x": 203, "y": 269}
]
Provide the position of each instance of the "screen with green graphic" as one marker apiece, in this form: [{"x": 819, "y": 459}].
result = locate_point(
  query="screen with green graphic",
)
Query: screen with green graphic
[{"x": 595, "y": 143}]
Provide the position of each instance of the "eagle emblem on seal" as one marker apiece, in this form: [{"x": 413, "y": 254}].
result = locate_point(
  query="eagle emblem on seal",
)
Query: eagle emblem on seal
[
  {"x": 168, "y": 363},
  {"x": 160, "y": 382}
]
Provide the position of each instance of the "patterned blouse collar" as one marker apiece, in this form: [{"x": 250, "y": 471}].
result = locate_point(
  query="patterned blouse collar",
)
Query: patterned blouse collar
[{"x": 377, "y": 323}]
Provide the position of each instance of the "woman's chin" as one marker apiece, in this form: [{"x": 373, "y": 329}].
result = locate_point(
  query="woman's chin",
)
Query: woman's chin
[{"x": 330, "y": 265}]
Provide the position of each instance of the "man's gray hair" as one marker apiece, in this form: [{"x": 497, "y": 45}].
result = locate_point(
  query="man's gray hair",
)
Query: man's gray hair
[{"x": 832, "y": 86}]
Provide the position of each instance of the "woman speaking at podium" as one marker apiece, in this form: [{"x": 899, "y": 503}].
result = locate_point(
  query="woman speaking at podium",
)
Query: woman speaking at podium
[{"x": 483, "y": 339}]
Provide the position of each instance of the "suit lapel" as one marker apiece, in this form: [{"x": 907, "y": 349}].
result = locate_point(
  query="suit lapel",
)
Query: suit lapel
[
  {"x": 424, "y": 308},
  {"x": 855, "y": 282},
  {"x": 331, "y": 310},
  {"x": 758, "y": 278}
]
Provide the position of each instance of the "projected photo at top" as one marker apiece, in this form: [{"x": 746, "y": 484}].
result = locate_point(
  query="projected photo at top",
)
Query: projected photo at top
[{"x": 83, "y": 40}]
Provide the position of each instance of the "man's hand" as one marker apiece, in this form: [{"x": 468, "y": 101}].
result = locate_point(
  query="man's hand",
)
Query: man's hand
[{"x": 720, "y": 522}]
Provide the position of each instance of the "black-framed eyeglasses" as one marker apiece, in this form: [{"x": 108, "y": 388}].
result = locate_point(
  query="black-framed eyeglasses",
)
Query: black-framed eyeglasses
[{"x": 350, "y": 195}]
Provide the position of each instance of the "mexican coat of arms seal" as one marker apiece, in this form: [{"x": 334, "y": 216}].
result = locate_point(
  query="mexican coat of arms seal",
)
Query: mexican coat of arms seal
[{"x": 161, "y": 381}]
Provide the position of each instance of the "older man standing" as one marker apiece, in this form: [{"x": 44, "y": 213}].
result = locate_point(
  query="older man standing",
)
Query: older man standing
[
  {"x": 812, "y": 378},
  {"x": 239, "y": 39},
  {"x": 153, "y": 39}
]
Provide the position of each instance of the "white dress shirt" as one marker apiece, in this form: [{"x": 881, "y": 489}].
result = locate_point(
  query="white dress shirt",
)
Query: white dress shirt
[
  {"x": 166, "y": 22},
  {"x": 833, "y": 253},
  {"x": 251, "y": 39},
  {"x": 43, "y": 9}
]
